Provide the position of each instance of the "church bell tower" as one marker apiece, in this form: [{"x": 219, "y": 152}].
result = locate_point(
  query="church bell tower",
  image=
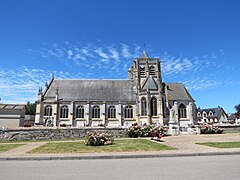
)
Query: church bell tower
[{"x": 146, "y": 74}]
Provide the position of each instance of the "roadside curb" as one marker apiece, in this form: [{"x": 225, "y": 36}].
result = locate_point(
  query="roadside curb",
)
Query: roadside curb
[{"x": 115, "y": 156}]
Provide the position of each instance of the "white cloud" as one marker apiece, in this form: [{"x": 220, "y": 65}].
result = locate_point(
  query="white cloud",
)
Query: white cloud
[
  {"x": 69, "y": 54},
  {"x": 102, "y": 54},
  {"x": 114, "y": 53},
  {"x": 125, "y": 51}
]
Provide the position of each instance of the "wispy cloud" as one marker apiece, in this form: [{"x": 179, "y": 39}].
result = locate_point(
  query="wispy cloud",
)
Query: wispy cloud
[
  {"x": 101, "y": 61},
  {"x": 197, "y": 73},
  {"x": 125, "y": 51},
  {"x": 102, "y": 54},
  {"x": 21, "y": 84}
]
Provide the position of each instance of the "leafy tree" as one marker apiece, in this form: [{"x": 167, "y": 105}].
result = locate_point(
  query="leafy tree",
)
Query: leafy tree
[
  {"x": 30, "y": 108},
  {"x": 237, "y": 107}
]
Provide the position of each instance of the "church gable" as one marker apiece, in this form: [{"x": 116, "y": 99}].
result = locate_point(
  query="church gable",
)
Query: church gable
[{"x": 150, "y": 84}]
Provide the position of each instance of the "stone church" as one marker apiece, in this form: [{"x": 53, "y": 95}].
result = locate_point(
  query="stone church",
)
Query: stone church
[{"x": 142, "y": 98}]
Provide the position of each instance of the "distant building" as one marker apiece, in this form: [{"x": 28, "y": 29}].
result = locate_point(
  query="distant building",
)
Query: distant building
[
  {"x": 143, "y": 98},
  {"x": 212, "y": 115},
  {"x": 232, "y": 117},
  {"x": 12, "y": 115}
]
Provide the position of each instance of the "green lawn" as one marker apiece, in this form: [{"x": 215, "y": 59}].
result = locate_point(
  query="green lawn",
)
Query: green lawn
[
  {"x": 7, "y": 147},
  {"x": 221, "y": 144},
  {"x": 118, "y": 146}
]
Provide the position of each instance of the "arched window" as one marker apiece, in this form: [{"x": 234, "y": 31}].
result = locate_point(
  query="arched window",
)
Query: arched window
[
  {"x": 80, "y": 112},
  {"x": 143, "y": 107},
  {"x": 182, "y": 111},
  {"x": 128, "y": 112},
  {"x": 64, "y": 112},
  {"x": 111, "y": 112},
  {"x": 96, "y": 112},
  {"x": 152, "y": 70},
  {"x": 142, "y": 70},
  {"x": 48, "y": 111},
  {"x": 153, "y": 106}
]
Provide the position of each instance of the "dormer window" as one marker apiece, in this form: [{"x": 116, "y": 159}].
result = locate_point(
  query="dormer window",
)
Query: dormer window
[
  {"x": 142, "y": 70},
  {"x": 204, "y": 114},
  {"x": 199, "y": 114},
  {"x": 210, "y": 113}
]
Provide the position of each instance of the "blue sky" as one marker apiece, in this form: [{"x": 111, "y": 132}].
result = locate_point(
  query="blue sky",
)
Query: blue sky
[{"x": 197, "y": 41}]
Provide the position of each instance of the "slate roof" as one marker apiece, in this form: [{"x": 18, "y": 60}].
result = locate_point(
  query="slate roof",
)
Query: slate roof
[
  {"x": 102, "y": 90},
  {"x": 12, "y": 106},
  {"x": 232, "y": 117},
  {"x": 217, "y": 112},
  {"x": 177, "y": 91}
]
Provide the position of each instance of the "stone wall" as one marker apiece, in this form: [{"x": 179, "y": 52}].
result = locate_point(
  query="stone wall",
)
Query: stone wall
[
  {"x": 230, "y": 128},
  {"x": 54, "y": 133}
]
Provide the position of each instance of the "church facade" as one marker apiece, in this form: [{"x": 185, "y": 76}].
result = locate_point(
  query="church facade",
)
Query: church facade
[{"x": 142, "y": 98}]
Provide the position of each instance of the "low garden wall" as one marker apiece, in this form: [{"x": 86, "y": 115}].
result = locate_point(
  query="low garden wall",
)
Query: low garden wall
[
  {"x": 54, "y": 133},
  {"x": 63, "y": 133},
  {"x": 230, "y": 128}
]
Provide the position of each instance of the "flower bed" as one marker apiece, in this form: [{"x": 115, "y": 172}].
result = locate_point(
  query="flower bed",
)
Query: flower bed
[
  {"x": 134, "y": 131},
  {"x": 209, "y": 129},
  {"x": 155, "y": 131},
  {"x": 96, "y": 138}
]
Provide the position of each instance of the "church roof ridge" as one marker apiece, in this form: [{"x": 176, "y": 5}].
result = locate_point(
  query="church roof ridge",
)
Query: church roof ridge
[{"x": 93, "y": 79}]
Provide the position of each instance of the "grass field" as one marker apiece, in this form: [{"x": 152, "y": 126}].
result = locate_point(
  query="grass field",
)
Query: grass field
[
  {"x": 221, "y": 144},
  {"x": 126, "y": 145},
  {"x": 7, "y": 147}
]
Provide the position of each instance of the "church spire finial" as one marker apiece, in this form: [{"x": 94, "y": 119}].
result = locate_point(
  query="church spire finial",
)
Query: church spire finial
[{"x": 144, "y": 55}]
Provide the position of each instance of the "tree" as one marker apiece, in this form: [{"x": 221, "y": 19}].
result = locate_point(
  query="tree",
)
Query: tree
[
  {"x": 237, "y": 107},
  {"x": 30, "y": 108}
]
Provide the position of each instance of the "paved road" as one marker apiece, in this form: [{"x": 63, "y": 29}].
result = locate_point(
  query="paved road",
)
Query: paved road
[{"x": 204, "y": 167}]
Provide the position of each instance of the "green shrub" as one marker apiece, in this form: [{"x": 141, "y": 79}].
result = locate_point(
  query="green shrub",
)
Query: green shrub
[{"x": 96, "y": 138}]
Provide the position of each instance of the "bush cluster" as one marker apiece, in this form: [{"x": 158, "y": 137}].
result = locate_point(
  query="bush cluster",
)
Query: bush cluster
[
  {"x": 135, "y": 131},
  {"x": 208, "y": 129},
  {"x": 96, "y": 138}
]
